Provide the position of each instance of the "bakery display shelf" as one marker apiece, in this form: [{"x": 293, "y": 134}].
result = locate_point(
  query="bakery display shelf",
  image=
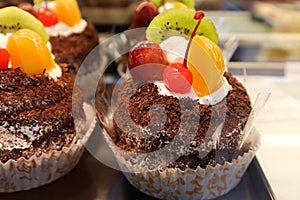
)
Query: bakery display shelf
[{"x": 92, "y": 180}]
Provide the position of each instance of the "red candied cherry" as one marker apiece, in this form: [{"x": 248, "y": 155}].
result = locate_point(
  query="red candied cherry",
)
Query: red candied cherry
[
  {"x": 178, "y": 78},
  {"x": 147, "y": 61},
  {"x": 4, "y": 58},
  {"x": 27, "y": 7},
  {"x": 144, "y": 12},
  {"x": 47, "y": 16}
]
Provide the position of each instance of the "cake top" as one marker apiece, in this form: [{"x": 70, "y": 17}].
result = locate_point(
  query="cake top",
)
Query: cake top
[
  {"x": 181, "y": 52},
  {"x": 23, "y": 44},
  {"x": 60, "y": 17}
]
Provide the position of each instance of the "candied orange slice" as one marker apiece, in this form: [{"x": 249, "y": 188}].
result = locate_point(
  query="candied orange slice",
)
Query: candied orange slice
[
  {"x": 67, "y": 11},
  {"x": 179, "y": 5},
  {"x": 206, "y": 62},
  {"x": 29, "y": 52}
]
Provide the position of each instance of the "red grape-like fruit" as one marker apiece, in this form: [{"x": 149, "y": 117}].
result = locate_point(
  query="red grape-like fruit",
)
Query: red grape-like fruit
[
  {"x": 178, "y": 78},
  {"x": 47, "y": 16},
  {"x": 4, "y": 58},
  {"x": 28, "y": 7},
  {"x": 147, "y": 61},
  {"x": 144, "y": 12}
]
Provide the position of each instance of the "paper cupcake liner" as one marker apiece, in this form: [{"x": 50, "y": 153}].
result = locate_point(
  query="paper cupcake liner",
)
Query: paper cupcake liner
[
  {"x": 200, "y": 184},
  {"x": 25, "y": 174}
]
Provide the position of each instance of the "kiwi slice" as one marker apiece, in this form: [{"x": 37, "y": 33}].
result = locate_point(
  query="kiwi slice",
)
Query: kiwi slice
[
  {"x": 179, "y": 22},
  {"x": 13, "y": 19},
  {"x": 188, "y": 3}
]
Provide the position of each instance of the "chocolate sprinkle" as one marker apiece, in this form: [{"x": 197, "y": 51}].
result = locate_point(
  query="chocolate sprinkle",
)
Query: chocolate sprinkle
[{"x": 37, "y": 110}]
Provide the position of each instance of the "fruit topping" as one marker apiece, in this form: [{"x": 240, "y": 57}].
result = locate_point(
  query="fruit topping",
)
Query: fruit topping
[
  {"x": 27, "y": 7},
  {"x": 177, "y": 78},
  {"x": 13, "y": 19},
  {"x": 186, "y": 3},
  {"x": 29, "y": 52},
  {"x": 144, "y": 12},
  {"x": 177, "y": 22},
  {"x": 67, "y": 11},
  {"x": 4, "y": 58},
  {"x": 47, "y": 16},
  {"x": 146, "y": 61},
  {"x": 206, "y": 62}
]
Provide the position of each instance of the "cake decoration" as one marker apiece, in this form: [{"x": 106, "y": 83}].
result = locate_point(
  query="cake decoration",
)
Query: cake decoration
[
  {"x": 193, "y": 66},
  {"x": 29, "y": 53},
  {"x": 60, "y": 17},
  {"x": 47, "y": 16},
  {"x": 4, "y": 58},
  {"x": 146, "y": 10},
  {"x": 25, "y": 45},
  {"x": 13, "y": 18}
]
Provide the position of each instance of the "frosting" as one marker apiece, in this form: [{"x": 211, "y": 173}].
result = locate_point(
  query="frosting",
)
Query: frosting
[
  {"x": 61, "y": 28},
  {"x": 54, "y": 73},
  {"x": 65, "y": 30},
  {"x": 211, "y": 99}
]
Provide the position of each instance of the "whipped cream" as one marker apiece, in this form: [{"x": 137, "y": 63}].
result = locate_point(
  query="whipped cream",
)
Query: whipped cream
[
  {"x": 175, "y": 48},
  {"x": 61, "y": 28},
  {"x": 211, "y": 99},
  {"x": 54, "y": 73}
]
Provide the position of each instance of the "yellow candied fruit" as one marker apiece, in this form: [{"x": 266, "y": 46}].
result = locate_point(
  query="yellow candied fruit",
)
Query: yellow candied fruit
[
  {"x": 206, "y": 62},
  {"x": 29, "y": 52},
  {"x": 179, "y": 5},
  {"x": 67, "y": 11}
]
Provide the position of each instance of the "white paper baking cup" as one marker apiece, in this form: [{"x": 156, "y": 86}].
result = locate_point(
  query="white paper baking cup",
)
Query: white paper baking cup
[
  {"x": 25, "y": 174},
  {"x": 200, "y": 184}
]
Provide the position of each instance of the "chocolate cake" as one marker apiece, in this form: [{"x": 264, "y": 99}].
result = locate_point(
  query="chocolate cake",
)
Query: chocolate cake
[
  {"x": 233, "y": 111},
  {"x": 35, "y": 114},
  {"x": 74, "y": 48}
]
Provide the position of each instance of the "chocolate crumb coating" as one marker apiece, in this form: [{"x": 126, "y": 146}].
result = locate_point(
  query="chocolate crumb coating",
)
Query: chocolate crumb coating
[
  {"x": 231, "y": 114},
  {"x": 74, "y": 48},
  {"x": 35, "y": 114}
]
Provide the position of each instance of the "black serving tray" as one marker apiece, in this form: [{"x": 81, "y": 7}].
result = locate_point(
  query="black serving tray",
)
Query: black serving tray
[{"x": 91, "y": 180}]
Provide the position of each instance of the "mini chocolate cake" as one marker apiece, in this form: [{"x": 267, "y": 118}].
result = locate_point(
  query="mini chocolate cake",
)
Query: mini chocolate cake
[
  {"x": 35, "y": 114},
  {"x": 74, "y": 48},
  {"x": 232, "y": 113}
]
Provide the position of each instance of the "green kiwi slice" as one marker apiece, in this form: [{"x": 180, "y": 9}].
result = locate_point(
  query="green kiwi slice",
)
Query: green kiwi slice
[
  {"x": 13, "y": 19},
  {"x": 179, "y": 22},
  {"x": 188, "y": 3}
]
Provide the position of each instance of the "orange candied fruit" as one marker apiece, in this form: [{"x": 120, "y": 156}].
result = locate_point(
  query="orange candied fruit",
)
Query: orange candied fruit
[
  {"x": 67, "y": 11},
  {"x": 206, "y": 62},
  {"x": 29, "y": 52}
]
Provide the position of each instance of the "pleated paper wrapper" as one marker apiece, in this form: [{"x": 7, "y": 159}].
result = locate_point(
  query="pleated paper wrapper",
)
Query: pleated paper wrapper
[
  {"x": 24, "y": 174},
  {"x": 173, "y": 183}
]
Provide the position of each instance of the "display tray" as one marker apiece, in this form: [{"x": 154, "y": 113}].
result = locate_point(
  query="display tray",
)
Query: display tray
[{"x": 91, "y": 180}]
